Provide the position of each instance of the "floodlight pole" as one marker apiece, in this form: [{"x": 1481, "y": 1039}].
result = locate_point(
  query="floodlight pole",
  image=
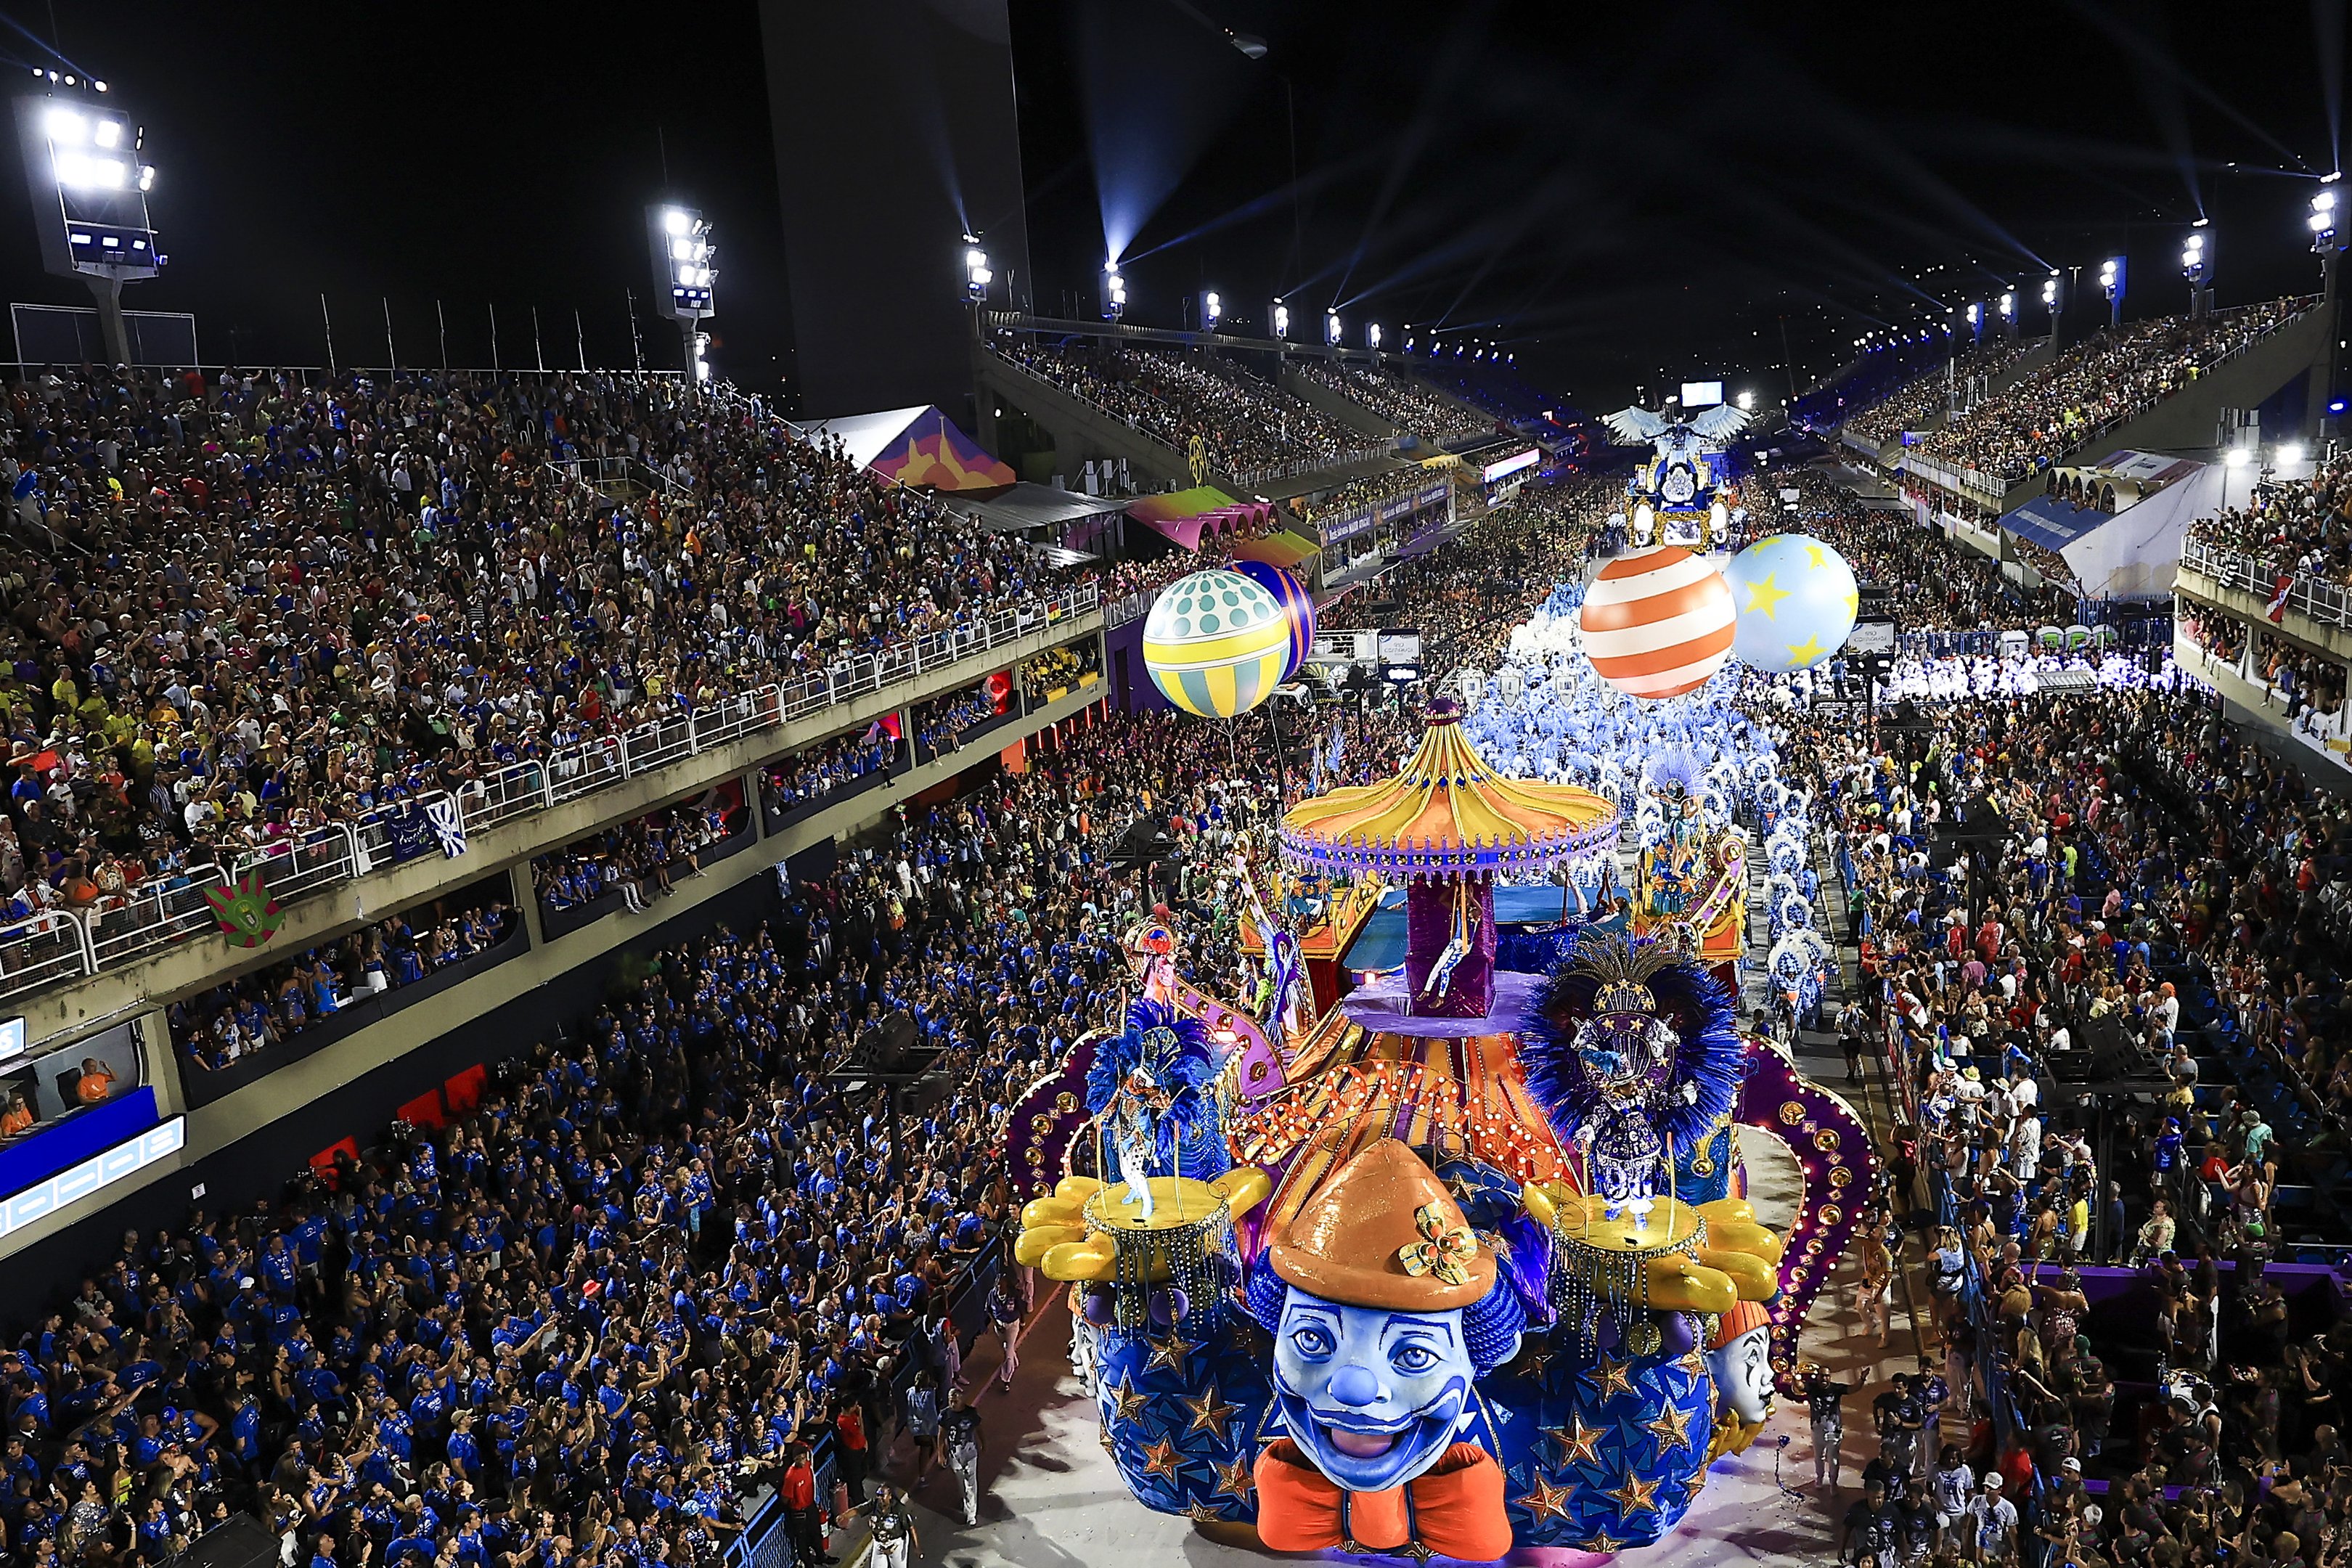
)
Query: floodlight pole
[{"x": 108, "y": 291}]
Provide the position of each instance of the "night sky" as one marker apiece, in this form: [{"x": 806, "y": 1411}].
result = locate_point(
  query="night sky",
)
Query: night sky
[{"x": 1620, "y": 199}]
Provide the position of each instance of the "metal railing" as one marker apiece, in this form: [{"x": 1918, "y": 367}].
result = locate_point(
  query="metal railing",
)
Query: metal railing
[
  {"x": 2328, "y": 603},
  {"x": 67, "y": 944},
  {"x": 594, "y": 471}
]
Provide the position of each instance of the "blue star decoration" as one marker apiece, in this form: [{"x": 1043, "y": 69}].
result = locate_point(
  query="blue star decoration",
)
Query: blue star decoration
[
  {"x": 1598, "y": 1452},
  {"x": 1185, "y": 1413}
]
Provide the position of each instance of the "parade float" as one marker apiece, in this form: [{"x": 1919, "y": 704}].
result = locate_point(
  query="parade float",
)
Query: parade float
[
  {"x": 1682, "y": 495},
  {"x": 1461, "y": 1261}
]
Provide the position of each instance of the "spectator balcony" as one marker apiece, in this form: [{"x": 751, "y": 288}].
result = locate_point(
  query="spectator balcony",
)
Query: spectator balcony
[{"x": 65, "y": 967}]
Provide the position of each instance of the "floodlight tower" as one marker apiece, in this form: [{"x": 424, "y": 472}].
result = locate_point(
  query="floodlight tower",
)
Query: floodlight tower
[
  {"x": 686, "y": 257},
  {"x": 2053, "y": 299},
  {"x": 1280, "y": 319},
  {"x": 2325, "y": 401},
  {"x": 1212, "y": 309},
  {"x": 2197, "y": 266},
  {"x": 1114, "y": 292},
  {"x": 2009, "y": 312},
  {"x": 2111, "y": 284},
  {"x": 977, "y": 274},
  {"x": 1331, "y": 328},
  {"x": 85, "y": 164}
]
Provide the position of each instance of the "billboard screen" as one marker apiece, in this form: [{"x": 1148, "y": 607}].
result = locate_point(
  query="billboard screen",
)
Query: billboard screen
[{"x": 1702, "y": 393}]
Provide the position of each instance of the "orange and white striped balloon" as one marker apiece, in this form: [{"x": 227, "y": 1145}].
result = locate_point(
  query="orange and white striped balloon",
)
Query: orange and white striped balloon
[{"x": 1657, "y": 622}]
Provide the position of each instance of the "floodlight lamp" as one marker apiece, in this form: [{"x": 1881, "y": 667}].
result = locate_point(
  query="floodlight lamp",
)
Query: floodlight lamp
[
  {"x": 2325, "y": 202},
  {"x": 1331, "y": 326},
  {"x": 2200, "y": 223},
  {"x": 681, "y": 249},
  {"x": 2320, "y": 223},
  {"x": 2050, "y": 293},
  {"x": 1747, "y": 401},
  {"x": 108, "y": 134},
  {"x": 1281, "y": 320},
  {"x": 63, "y": 125},
  {"x": 2289, "y": 454},
  {"x": 1212, "y": 309},
  {"x": 82, "y": 171},
  {"x": 674, "y": 221},
  {"x": 1372, "y": 334},
  {"x": 2238, "y": 458},
  {"x": 146, "y": 176},
  {"x": 2008, "y": 304},
  {"x": 98, "y": 85},
  {"x": 2328, "y": 179}
]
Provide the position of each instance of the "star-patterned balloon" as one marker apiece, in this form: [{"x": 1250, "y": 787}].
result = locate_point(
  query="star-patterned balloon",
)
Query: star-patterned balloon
[{"x": 1795, "y": 600}]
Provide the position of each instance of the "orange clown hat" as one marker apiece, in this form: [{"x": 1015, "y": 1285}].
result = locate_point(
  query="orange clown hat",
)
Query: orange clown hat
[
  {"x": 1384, "y": 1231},
  {"x": 1743, "y": 1318}
]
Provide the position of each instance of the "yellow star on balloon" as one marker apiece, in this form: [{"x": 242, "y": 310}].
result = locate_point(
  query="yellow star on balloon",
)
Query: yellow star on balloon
[
  {"x": 1671, "y": 1428},
  {"x": 1853, "y": 602},
  {"x": 1807, "y": 651},
  {"x": 1634, "y": 1495},
  {"x": 1160, "y": 1458},
  {"x": 1235, "y": 1481},
  {"x": 1131, "y": 1403},
  {"x": 1818, "y": 558},
  {"x": 1546, "y": 1501},
  {"x": 1613, "y": 1377},
  {"x": 1209, "y": 1413},
  {"x": 1766, "y": 596},
  {"x": 1578, "y": 1444}
]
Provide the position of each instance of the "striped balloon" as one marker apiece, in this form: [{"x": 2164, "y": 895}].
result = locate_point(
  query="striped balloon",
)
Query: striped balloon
[
  {"x": 1657, "y": 622},
  {"x": 1296, "y": 602}
]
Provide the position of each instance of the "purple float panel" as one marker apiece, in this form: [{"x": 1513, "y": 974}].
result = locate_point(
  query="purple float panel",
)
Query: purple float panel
[{"x": 1429, "y": 907}]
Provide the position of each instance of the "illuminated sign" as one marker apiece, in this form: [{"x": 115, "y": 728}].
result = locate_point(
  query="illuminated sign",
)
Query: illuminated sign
[
  {"x": 1512, "y": 464},
  {"x": 11, "y": 1037},
  {"x": 101, "y": 1170}
]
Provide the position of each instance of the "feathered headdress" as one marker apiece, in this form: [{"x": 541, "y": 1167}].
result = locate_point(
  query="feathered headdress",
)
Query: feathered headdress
[
  {"x": 1171, "y": 1049},
  {"x": 1610, "y": 975}
]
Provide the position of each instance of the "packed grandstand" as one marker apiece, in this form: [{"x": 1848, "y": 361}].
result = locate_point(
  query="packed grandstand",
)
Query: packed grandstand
[{"x": 728, "y": 911}]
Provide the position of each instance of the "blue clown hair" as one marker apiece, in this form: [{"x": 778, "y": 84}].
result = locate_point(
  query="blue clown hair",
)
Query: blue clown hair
[
  {"x": 1491, "y": 1325},
  {"x": 1687, "y": 998},
  {"x": 1191, "y": 1127}
]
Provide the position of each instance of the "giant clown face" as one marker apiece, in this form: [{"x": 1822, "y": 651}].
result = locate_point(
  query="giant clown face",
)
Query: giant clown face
[
  {"x": 1373, "y": 1397},
  {"x": 1742, "y": 1371}
]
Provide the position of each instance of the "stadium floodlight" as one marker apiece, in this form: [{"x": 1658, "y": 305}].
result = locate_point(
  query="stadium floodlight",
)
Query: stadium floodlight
[
  {"x": 2322, "y": 223},
  {"x": 977, "y": 274},
  {"x": 1281, "y": 320},
  {"x": 1746, "y": 400},
  {"x": 1371, "y": 335},
  {"x": 2111, "y": 284},
  {"x": 685, "y": 258},
  {"x": 2289, "y": 454},
  {"x": 1114, "y": 292},
  {"x": 1212, "y": 310},
  {"x": 1331, "y": 328},
  {"x": 2009, "y": 306},
  {"x": 2237, "y": 457},
  {"x": 85, "y": 166}
]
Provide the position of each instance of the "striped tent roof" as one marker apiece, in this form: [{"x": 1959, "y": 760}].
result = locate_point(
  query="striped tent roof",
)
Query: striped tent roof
[{"x": 1448, "y": 813}]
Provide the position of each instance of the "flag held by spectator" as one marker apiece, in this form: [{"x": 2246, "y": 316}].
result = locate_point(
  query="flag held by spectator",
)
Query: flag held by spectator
[
  {"x": 448, "y": 825},
  {"x": 246, "y": 911},
  {"x": 2284, "y": 586},
  {"x": 408, "y": 833}
]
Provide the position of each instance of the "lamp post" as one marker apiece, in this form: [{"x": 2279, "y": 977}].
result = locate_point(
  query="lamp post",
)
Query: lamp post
[
  {"x": 2111, "y": 284},
  {"x": 2325, "y": 397}
]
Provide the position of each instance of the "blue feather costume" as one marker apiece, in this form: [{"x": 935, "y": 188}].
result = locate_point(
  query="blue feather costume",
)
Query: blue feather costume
[{"x": 1171, "y": 1050}]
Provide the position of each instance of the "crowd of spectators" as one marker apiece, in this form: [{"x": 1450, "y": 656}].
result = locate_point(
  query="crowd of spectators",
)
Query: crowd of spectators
[
  {"x": 239, "y": 608},
  {"x": 1372, "y": 490},
  {"x": 1395, "y": 398},
  {"x": 2144, "y": 853},
  {"x": 809, "y": 775},
  {"x": 941, "y": 722},
  {"x": 1246, "y": 423},
  {"x": 639, "y": 860},
  {"x": 272, "y": 1006},
  {"x": 1916, "y": 404},
  {"x": 663, "y": 1253},
  {"x": 2116, "y": 375},
  {"x": 1933, "y": 584},
  {"x": 2295, "y": 529}
]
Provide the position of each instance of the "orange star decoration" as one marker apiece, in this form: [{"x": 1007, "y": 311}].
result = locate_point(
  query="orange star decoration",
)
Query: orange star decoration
[
  {"x": 1130, "y": 1404},
  {"x": 1613, "y": 1378},
  {"x": 1634, "y": 1495},
  {"x": 1209, "y": 1413},
  {"x": 1161, "y": 1459},
  {"x": 1578, "y": 1444},
  {"x": 1671, "y": 1428},
  {"x": 1546, "y": 1501},
  {"x": 1235, "y": 1481},
  {"x": 1444, "y": 1250}
]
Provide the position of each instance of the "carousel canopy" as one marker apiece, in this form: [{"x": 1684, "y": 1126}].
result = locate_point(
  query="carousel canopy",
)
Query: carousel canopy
[{"x": 1448, "y": 814}]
